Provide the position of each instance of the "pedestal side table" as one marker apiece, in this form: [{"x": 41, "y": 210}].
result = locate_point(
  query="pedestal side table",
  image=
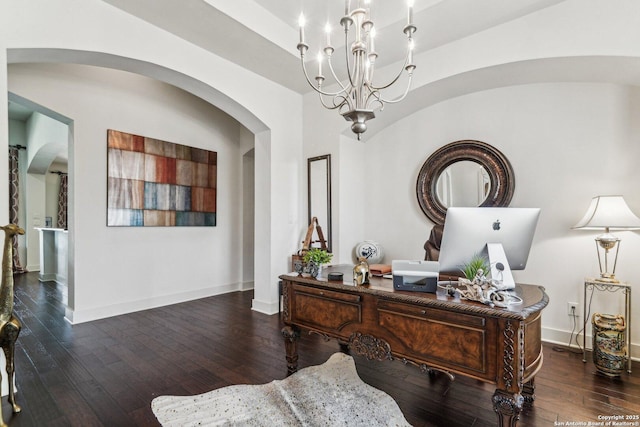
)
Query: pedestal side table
[{"x": 597, "y": 285}]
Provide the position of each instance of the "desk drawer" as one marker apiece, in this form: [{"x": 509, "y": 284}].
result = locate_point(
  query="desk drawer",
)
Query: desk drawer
[
  {"x": 447, "y": 339},
  {"x": 433, "y": 313},
  {"x": 325, "y": 309}
]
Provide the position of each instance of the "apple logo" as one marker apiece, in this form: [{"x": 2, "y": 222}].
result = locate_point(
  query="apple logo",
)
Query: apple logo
[{"x": 496, "y": 225}]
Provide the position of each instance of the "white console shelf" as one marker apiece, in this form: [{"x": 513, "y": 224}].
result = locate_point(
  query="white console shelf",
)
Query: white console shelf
[{"x": 53, "y": 254}]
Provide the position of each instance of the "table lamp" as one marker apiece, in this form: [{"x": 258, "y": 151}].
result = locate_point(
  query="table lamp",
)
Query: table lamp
[{"x": 608, "y": 213}]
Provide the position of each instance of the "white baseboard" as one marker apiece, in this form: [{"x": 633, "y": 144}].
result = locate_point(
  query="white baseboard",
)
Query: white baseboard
[
  {"x": 60, "y": 280},
  {"x": 264, "y": 307},
  {"x": 81, "y": 316},
  {"x": 560, "y": 337},
  {"x": 47, "y": 277},
  {"x": 52, "y": 277}
]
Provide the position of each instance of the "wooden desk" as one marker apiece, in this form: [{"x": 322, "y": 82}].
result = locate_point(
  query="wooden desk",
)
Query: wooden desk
[{"x": 431, "y": 331}]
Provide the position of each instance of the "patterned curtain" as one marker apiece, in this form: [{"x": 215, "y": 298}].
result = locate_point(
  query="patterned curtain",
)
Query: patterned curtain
[
  {"x": 14, "y": 198},
  {"x": 62, "y": 202}
]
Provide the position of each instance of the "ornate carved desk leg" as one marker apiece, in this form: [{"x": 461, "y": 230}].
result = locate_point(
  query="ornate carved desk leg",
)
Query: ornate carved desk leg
[
  {"x": 291, "y": 335},
  {"x": 528, "y": 390},
  {"x": 508, "y": 407},
  {"x": 508, "y": 399}
]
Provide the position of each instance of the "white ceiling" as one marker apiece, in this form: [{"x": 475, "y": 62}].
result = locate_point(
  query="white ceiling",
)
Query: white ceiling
[
  {"x": 261, "y": 35},
  {"x": 19, "y": 112}
]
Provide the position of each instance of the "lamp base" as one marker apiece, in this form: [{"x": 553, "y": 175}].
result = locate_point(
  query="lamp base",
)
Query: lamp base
[
  {"x": 607, "y": 242},
  {"x": 607, "y": 278}
]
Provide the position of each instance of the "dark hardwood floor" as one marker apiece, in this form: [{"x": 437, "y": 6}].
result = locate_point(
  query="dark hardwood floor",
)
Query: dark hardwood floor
[{"x": 107, "y": 372}]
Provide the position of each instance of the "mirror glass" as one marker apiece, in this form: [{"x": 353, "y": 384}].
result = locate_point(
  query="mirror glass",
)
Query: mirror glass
[
  {"x": 463, "y": 184},
  {"x": 319, "y": 193}
]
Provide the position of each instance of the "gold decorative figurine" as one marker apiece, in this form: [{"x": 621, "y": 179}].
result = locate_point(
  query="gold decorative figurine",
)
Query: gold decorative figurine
[
  {"x": 9, "y": 325},
  {"x": 361, "y": 272}
]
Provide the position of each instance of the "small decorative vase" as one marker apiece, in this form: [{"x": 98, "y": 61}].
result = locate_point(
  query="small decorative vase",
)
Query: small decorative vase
[
  {"x": 370, "y": 250},
  {"x": 361, "y": 272},
  {"x": 609, "y": 345},
  {"x": 314, "y": 269}
]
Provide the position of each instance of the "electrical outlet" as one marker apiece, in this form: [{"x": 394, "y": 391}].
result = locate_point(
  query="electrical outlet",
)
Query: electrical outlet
[{"x": 572, "y": 309}]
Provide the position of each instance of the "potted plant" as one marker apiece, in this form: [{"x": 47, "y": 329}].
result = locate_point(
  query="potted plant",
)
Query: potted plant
[
  {"x": 315, "y": 258},
  {"x": 477, "y": 262}
]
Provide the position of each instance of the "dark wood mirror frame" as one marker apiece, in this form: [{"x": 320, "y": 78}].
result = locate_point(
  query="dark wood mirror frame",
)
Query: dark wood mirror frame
[
  {"x": 495, "y": 163},
  {"x": 319, "y": 193}
]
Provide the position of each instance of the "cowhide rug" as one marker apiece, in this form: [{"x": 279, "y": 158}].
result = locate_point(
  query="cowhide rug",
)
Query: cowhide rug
[{"x": 330, "y": 394}]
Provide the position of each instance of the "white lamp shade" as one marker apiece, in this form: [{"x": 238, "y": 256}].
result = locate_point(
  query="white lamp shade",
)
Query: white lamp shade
[{"x": 608, "y": 212}]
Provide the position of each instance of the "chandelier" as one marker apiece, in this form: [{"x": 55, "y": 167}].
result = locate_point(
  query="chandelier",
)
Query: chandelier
[{"x": 356, "y": 96}]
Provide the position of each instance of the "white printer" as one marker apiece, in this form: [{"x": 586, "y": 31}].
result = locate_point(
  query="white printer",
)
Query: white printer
[{"x": 421, "y": 276}]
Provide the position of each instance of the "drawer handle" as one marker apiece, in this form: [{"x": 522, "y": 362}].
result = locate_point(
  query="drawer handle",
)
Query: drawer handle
[
  {"x": 423, "y": 311},
  {"x": 321, "y": 293}
]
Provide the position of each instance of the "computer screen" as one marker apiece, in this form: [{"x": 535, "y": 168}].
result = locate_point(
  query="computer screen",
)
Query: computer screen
[{"x": 502, "y": 235}]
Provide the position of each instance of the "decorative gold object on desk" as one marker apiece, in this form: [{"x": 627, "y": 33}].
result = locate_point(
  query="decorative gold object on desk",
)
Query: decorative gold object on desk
[
  {"x": 9, "y": 325},
  {"x": 361, "y": 272}
]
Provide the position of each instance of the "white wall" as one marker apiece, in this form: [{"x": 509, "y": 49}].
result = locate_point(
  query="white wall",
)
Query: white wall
[
  {"x": 567, "y": 142},
  {"x": 247, "y": 147},
  {"x": 47, "y": 32},
  {"x": 139, "y": 267}
]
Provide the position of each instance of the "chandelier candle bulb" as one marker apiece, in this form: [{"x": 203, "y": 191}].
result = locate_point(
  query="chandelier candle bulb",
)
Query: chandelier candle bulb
[
  {"x": 346, "y": 7},
  {"x": 410, "y": 13},
  {"x": 301, "y": 23},
  {"x": 327, "y": 31}
]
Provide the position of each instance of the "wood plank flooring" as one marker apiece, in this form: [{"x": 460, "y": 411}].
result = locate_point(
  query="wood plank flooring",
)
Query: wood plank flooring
[{"x": 107, "y": 372}]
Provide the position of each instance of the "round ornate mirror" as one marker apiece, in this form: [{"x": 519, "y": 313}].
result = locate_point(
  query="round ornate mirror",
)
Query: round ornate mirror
[{"x": 464, "y": 173}]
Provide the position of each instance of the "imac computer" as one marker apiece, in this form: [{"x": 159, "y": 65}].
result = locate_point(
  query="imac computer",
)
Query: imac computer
[{"x": 502, "y": 235}]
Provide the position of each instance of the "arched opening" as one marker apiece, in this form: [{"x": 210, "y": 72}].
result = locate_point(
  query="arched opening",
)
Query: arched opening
[{"x": 186, "y": 83}]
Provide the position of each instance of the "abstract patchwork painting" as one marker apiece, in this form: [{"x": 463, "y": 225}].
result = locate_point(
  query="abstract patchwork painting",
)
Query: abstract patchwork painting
[{"x": 157, "y": 183}]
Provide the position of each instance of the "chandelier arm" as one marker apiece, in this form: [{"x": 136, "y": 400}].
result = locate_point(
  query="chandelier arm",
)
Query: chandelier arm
[
  {"x": 403, "y": 69},
  {"x": 339, "y": 94},
  {"x": 348, "y": 103},
  {"x": 317, "y": 89},
  {"x": 304, "y": 70},
  {"x": 334, "y": 106},
  {"x": 388, "y": 84},
  {"x": 376, "y": 96},
  {"x": 335, "y": 77},
  {"x": 380, "y": 99}
]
